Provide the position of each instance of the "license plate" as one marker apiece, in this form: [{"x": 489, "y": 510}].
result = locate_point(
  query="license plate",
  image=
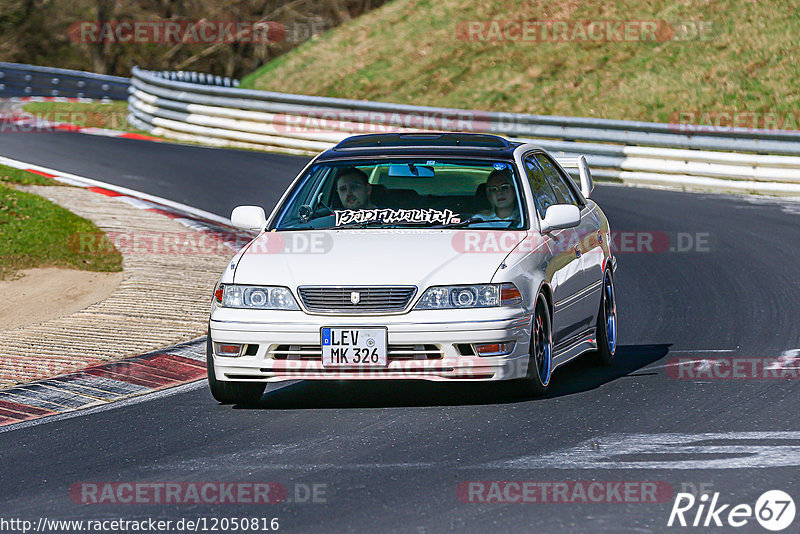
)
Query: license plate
[{"x": 354, "y": 347}]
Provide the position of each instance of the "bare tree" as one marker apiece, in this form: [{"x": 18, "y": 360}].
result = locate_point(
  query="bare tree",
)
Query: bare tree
[{"x": 37, "y": 31}]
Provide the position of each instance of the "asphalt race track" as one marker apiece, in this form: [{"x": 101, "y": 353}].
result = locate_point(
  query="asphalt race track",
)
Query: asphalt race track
[
  {"x": 196, "y": 176},
  {"x": 396, "y": 457}
]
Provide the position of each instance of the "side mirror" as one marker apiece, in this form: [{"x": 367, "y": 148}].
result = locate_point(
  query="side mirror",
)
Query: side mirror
[
  {"x": 561, "y": 216},
  {"x": 585, "y": 173},
  {"x": 587, "y": 184},
  {"x": 249, "y": 218}
]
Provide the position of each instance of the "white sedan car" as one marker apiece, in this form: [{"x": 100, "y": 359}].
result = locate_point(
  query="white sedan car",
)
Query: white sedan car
[{"x": 443, "y": 257}]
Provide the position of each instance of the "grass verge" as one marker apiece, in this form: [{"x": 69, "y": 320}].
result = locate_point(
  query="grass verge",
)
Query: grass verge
[
  {"x": 722, "y": 56},
  {"x": 111, "y": 115},
  {"x": 35, "y": 232},
  {"x": 18, "y": 176}
]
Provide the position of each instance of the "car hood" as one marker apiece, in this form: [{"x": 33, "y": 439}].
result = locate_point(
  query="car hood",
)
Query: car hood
[{"x": 372, "y": 257}]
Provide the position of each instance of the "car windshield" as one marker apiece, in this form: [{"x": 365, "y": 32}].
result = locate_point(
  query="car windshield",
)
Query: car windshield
[{"x": 405, "y": 193}]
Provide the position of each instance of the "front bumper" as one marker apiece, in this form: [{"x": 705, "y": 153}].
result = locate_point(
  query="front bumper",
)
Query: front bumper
[{"x": 290, "y": 350}]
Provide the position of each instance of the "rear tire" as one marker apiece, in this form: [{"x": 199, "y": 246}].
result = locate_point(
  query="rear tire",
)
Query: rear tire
[
  {"x": 230, "y": 392},
  {"x": 607, "y": 323},
  {"x": 540, "y": 359}
]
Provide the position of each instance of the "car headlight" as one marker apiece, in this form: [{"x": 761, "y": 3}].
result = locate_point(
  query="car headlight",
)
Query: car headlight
[
  {"x": 477, "y": 296},
  {"x": 255, "y": 297}
]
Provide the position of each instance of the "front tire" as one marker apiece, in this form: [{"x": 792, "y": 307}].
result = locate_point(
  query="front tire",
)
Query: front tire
[
  {"x": 607, "y": 323},
  {"x": 230, "y": 392},
  {"x": 540, "y": 360}
]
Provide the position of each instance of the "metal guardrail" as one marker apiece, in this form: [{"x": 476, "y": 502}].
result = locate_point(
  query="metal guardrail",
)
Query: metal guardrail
[
  {"x": 219, "y": 113},
  {"x": 18, "y": 80},
  {"x": 213, "y": 110},
  {"x": 199, "y": 77}
]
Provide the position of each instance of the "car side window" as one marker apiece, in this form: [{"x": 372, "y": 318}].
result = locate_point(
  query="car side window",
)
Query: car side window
[
  {"x": 543, "y": 195},
  {"x": 304, "y": 194},
  {"x": 561, "y": 188}
]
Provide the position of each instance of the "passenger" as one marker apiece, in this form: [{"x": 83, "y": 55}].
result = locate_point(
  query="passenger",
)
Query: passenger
[
  {"x": 354, "y": 189},
  {"x": 502, "y": 197}
]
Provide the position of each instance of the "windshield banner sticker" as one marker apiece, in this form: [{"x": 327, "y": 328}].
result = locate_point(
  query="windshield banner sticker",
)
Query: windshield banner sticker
[{"x": 390, "y": 216}]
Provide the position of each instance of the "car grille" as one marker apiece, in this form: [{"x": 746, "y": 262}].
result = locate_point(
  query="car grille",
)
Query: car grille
[
  {"x": 370, "y": 299},
  {"x": 393, "y": 352}
]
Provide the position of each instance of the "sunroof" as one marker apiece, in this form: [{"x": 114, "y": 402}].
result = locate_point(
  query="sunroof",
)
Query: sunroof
[{"x": 423, "y": 139}]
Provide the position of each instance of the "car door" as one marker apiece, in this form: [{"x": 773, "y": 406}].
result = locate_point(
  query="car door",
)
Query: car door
[
  {"x": 564, "y": 269},
  {"x": 586, "y": 298}
]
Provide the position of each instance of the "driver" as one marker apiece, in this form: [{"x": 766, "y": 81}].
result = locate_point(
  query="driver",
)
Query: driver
[
  {"x": 502, "y": 197},
  {"x": 354, "y": 189}
]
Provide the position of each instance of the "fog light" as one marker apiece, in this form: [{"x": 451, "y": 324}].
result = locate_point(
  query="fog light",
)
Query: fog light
[
  {"x": 495, "y": 349},
  {"x": 228, "y": 349}
]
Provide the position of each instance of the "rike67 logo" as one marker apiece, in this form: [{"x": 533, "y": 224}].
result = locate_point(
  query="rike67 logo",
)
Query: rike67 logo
[{"x": 774, "y": 510}]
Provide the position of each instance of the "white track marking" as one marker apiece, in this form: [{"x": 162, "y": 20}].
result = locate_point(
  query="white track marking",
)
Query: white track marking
[
  {"x": 692, "y": 351},
  {"x": 785, "y": 360},
  {"x": 237, "y": 463},
  {"x": 619, "y": 451},
  {"x": 82, "y": 181},
  {"x": 788, "y": 356},
  {"x": 706, "y": 363}
]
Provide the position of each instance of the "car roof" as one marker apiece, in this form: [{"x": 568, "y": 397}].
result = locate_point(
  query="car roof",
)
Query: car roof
[{"x": 424, "y": 144}]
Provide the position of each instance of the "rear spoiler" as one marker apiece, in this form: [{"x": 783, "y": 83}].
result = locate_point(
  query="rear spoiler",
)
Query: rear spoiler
[{"x": 587, "y": 185}]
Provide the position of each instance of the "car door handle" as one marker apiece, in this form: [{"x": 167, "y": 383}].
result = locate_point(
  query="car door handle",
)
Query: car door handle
[{"x": 577, "y": 251}]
